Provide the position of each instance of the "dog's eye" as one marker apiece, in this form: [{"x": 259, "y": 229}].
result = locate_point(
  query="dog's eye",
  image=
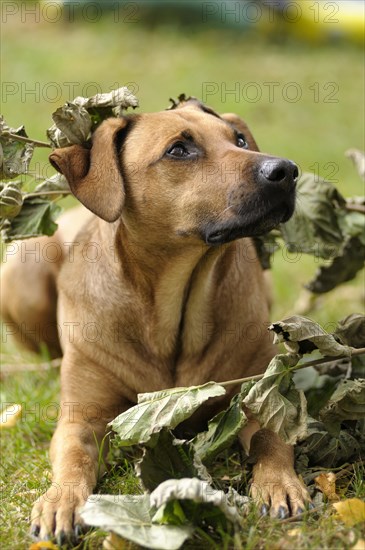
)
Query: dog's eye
[
  {"x": 178, "y": 150},
  {"x": 241, "y": 142}
]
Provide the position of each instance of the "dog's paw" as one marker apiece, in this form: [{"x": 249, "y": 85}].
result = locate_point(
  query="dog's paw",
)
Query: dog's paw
[
  {"x": 279, "y": 493},
  {"x": 56, "y": 515}
]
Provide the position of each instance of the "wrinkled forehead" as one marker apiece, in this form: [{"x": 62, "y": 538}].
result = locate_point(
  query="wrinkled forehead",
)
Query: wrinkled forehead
[{"x": 153, "y": 132}]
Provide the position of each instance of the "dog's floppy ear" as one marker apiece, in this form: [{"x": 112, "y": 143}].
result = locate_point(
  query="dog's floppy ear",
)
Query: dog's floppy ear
[
  {"x": 94, "y": 175},
  {"x": 241, "y": 126}
]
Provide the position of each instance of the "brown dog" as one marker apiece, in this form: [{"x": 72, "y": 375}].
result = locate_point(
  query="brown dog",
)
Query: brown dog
[{"x": 161, "y": 288}]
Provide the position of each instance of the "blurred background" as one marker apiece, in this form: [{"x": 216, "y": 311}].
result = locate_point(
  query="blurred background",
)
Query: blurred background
[{"x": 292, "y": 69}]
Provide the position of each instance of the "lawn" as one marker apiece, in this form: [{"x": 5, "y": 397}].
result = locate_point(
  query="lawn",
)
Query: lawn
[{"x": 301, "y": 101}]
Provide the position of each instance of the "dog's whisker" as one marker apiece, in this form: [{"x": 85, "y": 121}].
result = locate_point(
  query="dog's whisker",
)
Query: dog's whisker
[{"x": 226, "y": 210}]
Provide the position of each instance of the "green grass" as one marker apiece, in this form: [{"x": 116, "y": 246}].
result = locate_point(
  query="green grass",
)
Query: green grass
[{"x": 163, "y": 62}]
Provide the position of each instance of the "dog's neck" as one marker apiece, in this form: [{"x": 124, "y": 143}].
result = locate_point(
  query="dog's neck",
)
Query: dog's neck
[{"x": 176, "y": 283}]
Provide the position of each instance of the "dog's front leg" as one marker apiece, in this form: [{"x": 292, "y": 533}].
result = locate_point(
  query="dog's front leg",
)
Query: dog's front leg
[
  {"x": 74, "y": 456},
  {"x": 275, "y": 484},
  {"x": 90, "y": 399}
]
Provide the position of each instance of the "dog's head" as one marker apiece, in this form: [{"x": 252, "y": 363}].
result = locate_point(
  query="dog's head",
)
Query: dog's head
[{"x": 185, "y": 173}]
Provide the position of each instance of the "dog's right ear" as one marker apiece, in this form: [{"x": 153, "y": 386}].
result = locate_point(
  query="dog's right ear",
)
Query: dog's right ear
[{"x": 94, "y": 175}]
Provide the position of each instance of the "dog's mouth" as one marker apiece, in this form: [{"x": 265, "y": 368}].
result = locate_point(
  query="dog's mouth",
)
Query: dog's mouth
[{"x": 249, "y": 225}]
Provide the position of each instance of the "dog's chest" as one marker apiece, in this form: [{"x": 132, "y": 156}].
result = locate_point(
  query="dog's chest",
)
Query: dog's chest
[{"x": 183, "y": 305}]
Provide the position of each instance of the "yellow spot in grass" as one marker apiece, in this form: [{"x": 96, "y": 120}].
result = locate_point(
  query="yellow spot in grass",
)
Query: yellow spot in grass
[
  {"x": 43, "y": 544},
  {"x": 10, "y": 416},
  {"x": 326, "y": 483},
  {"x": 350, "y": 511}
]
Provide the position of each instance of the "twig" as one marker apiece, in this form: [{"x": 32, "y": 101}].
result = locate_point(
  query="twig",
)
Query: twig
[
  {"x": 41, "y": 194},
  {"x": 10, "y": 368},
  {"x": 354, "y": 351},
  {"x": 346, "y": 469},
  {"x": 355, "y": 208},
  {"x": 27, "y": 140}
]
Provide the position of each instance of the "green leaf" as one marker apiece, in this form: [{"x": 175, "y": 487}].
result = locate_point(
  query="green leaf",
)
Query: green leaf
[
  {"x": 352, "y": 224},
  {"x": 130, "y": 517},
  {"x": 266, "y": 245},
  {"x": 11, "y": 199},
  {"x": 346, "y": 403},
  {"x": 314, "y": 227},
  {"x": 302, "y": 335},
  {"x": 342, "y": 268},
  {"x": 350, "y": 331},
  {"x": 197, "y": 491},
  {"x": 170, "y": 513},
  {"x": 222, "y": 431},
  {"x": 318, "y": 387},
  {"x": 15, "y": 155},
  {"x": 168, "y": 458},
  {"x": 323, "y": 449},
  {"x": 276, "y": 403},
  {"x": 162, "y": 409},
  {"x": 36, "y": 218}
]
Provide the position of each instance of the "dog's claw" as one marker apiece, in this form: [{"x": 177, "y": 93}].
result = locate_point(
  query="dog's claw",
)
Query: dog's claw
[
  {"x": 34, "y": 531},
  {"x": 282, "y": 512},
  {"x": 311, "y": 506},
  {"x": 79, "y": 530},
  {"x": 61, "y": 538},
  {"x": 300, "y": 511},
  {"x": 264, "y": 510}
]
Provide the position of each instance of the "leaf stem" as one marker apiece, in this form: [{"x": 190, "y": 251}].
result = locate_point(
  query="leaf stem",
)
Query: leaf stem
[
  {"x": 11, "y": 368},
  {"x": 354, "y": 351},
  {"x": 352, "y": 207},
  {"x": 27, "y": 140},
  {"x": 41, "y": 194}
]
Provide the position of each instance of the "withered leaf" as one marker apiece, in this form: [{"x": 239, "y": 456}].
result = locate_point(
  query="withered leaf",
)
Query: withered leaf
[
  {"x": 343, "y": 268},
  {"x": 302, "y": 335},
  {"x": 314, "y": 227},
  {"x": 53, "y": 184},
  {"x": 350, "y": 331},
  {"x": 346, "y": 403},
  {"x": 276, "y": 403},
  {"x": 15, "y": 155}
]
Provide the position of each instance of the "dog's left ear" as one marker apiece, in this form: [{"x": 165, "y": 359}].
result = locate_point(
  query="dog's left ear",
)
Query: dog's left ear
[
  {"x": 241, "y": 126},
  {"x": 94, "y": 175}
]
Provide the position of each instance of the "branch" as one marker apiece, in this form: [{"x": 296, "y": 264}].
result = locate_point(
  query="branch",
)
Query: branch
[
  {"x": 352, "y": 207},
  {"x": 11, "y": 368},
  {"x": 354, "y": 351},
  {"x": 41, "y": 194},
  {"x": 27, "y": 140}
]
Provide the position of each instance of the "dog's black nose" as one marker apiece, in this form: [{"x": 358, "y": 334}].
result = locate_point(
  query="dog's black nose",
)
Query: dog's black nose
[{"x": 278, "y": 171}]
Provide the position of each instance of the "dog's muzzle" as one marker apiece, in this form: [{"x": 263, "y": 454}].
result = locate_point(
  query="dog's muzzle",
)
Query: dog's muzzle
[{"x": 272, "y": 203}]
